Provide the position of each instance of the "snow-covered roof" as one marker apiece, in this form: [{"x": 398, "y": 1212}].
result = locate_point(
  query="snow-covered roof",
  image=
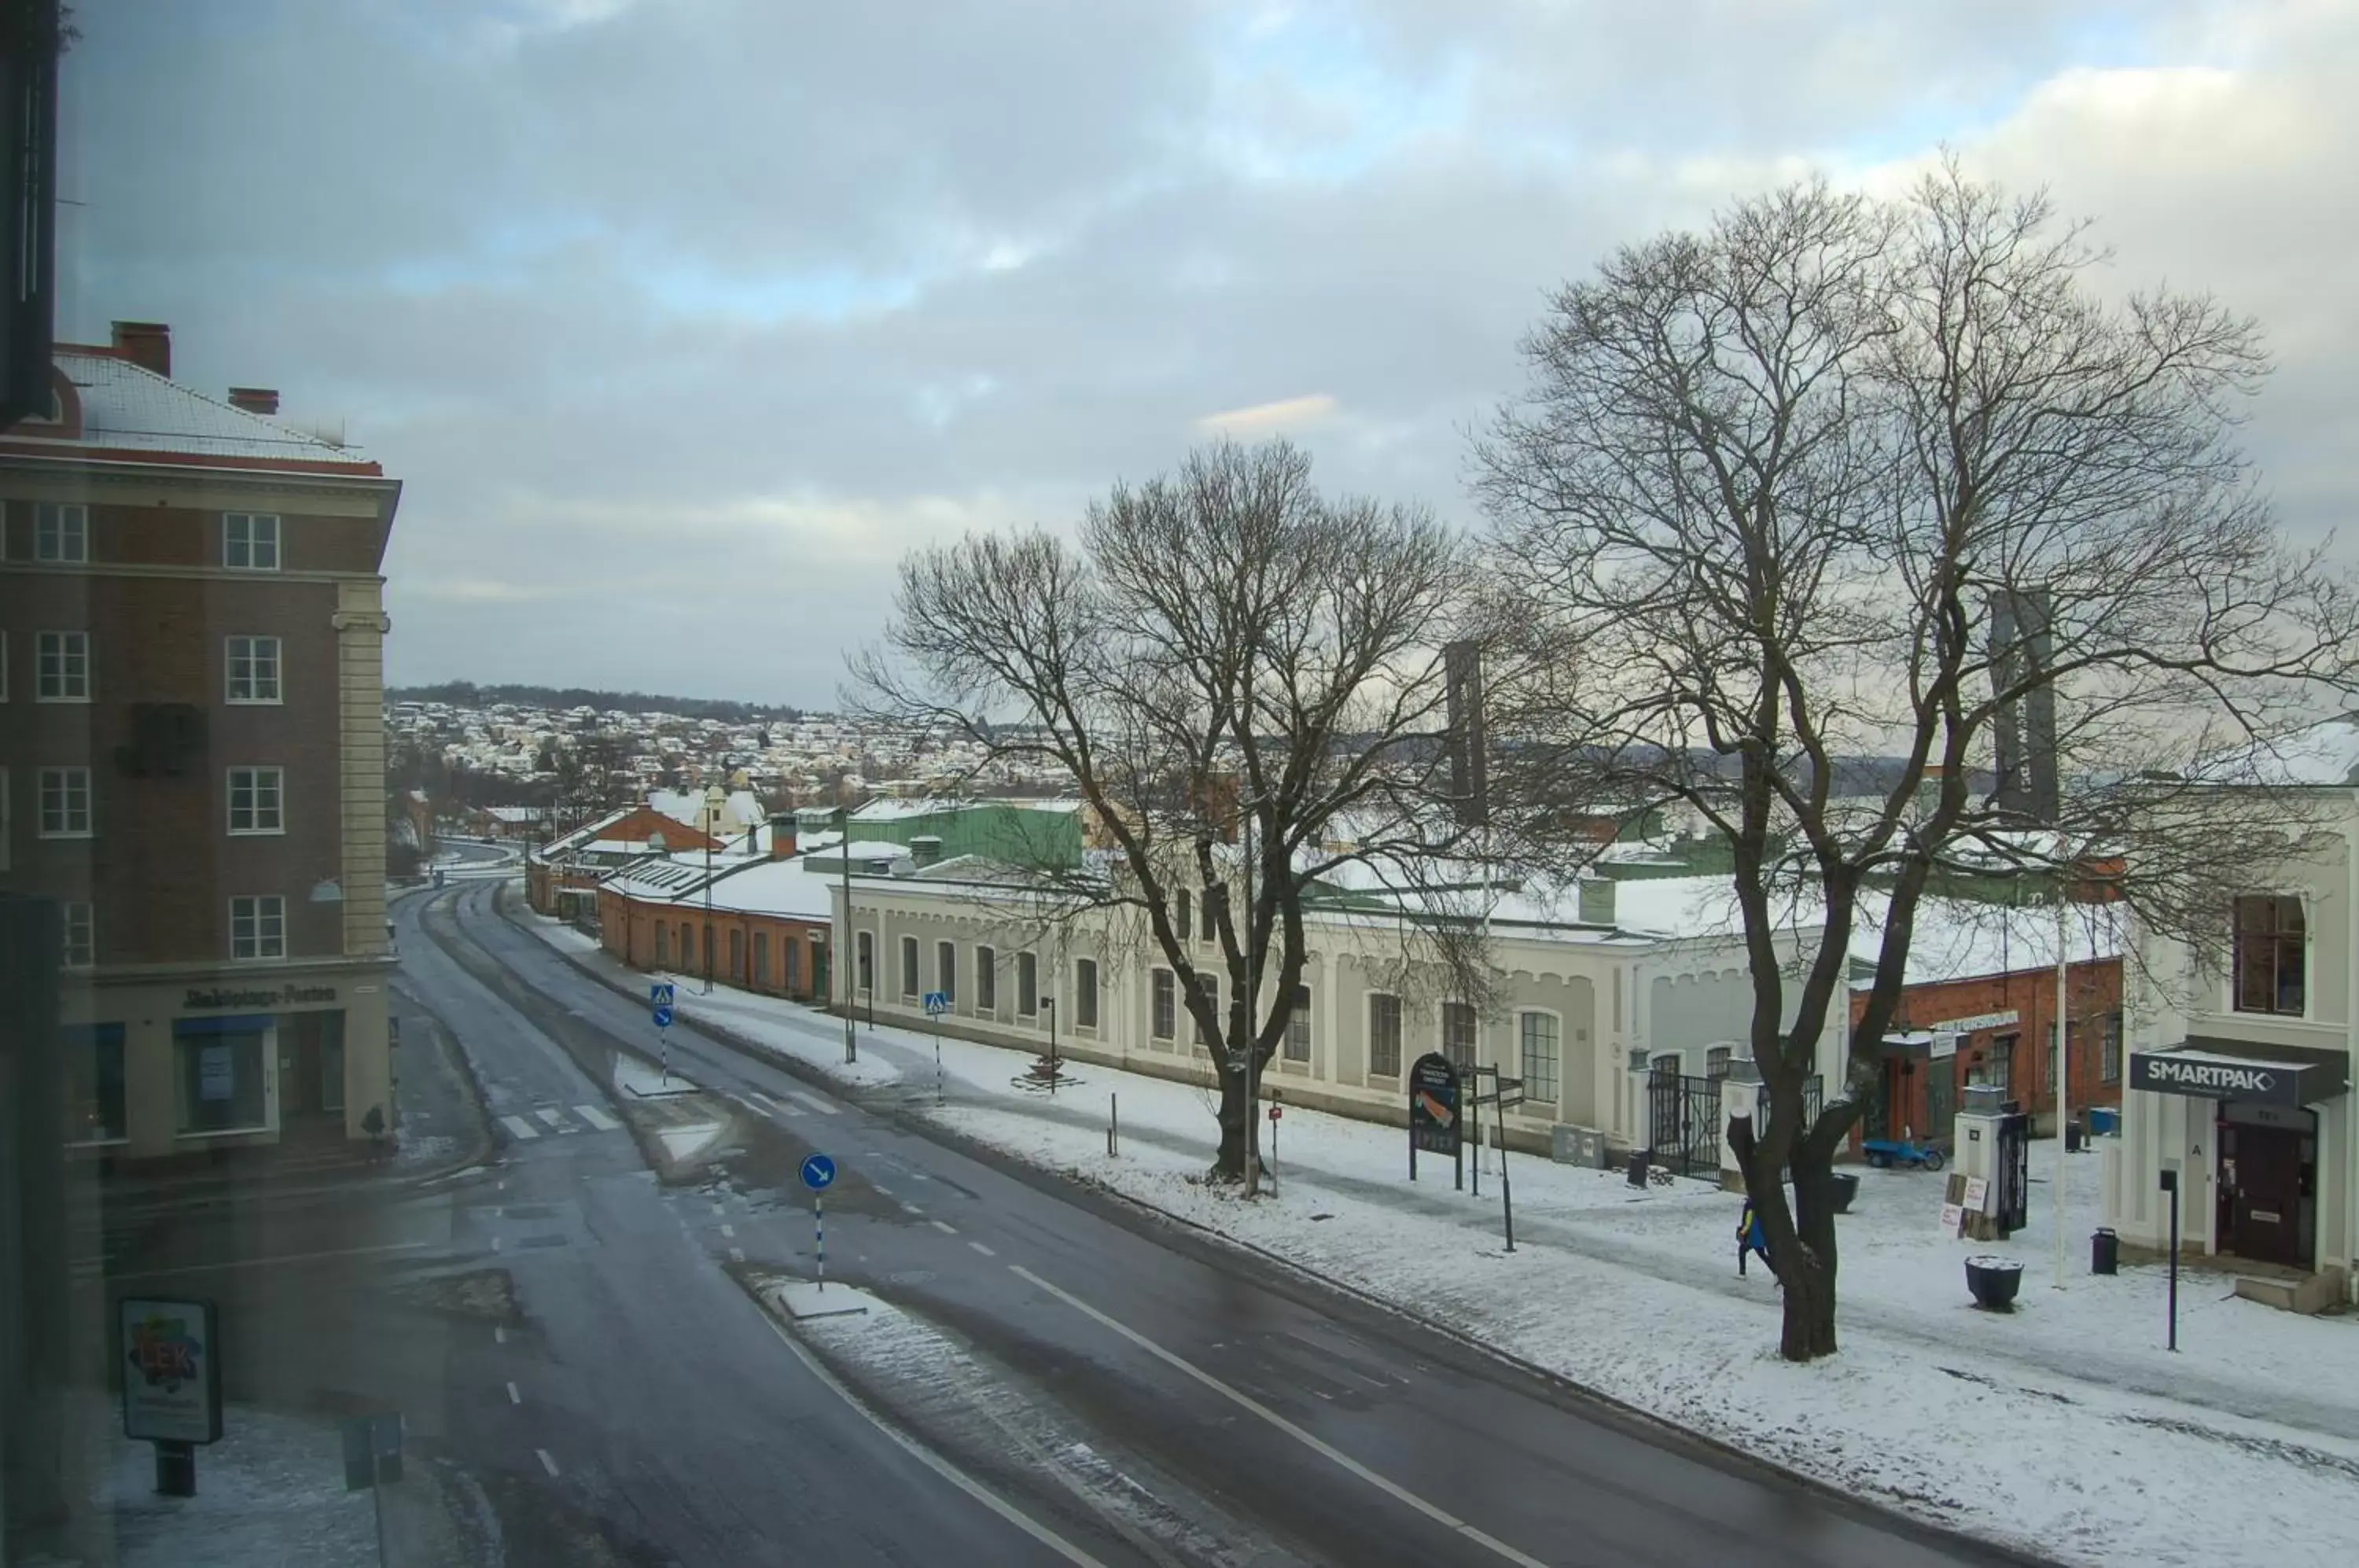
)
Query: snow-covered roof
[
  {"x": 775, "y": 888},
  {"x": 128, "y": 407},
  {"x": 2325, "y": 754}
]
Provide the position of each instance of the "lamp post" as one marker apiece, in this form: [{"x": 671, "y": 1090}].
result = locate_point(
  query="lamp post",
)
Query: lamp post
[
  {"x": 655, "y": 847},
  {"x": 844, "y": 953},
  {"x": 714, "y": 799}
]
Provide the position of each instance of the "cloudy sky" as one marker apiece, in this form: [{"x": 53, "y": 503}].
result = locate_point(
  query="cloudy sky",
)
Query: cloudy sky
[{"x": 681, "y": 319}]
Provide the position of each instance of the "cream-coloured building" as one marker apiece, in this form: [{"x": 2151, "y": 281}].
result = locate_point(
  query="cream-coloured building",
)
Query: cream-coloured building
[
  {"x": 2239, "y": 1077},
  {"x": 1596, "y": 998}
]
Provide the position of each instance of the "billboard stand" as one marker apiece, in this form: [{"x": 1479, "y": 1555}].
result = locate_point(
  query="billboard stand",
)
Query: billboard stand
[
  {"x": 1433, "y": 1121},
  {"x": 171, "y": 1383}
]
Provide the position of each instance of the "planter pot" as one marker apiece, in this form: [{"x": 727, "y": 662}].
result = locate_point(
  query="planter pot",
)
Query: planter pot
[
  {"x": 1841, "y": 1189},
  {"x": 1994, "y": 1281}
]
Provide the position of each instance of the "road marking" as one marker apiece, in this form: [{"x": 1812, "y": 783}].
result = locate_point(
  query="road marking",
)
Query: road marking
[
  {"x": 514, "y": 1398},
  {"x": 553, "y": 1117},
  {"x": 816, "y": 1104},
  {"x": 1327, "y": 1450},
  {"x": 729, "y": 1230},
  {"x": 940, "y": 1466},
  {"x": 520, "y": 1126},
  {"x": 984, "y": 1251},
  {"x": 945, "y": 1229},
  {"x": 596, "y": 1117},
  {"x": 499, "y": 1335},
  {"x": 880, "y": 1192},
  {"x": 496, "y": 1244},
  {"x": 774, "y": 1104},
  {"x": 913, "y": 1209},
  {"x": 546, "y": 1463},
  {"x": 267, "y": 1262},
  {"x": 736, "y": 1255}
]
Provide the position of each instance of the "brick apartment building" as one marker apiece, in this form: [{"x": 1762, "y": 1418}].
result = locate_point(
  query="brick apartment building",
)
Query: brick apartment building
[{"x": 192, "y": 765}]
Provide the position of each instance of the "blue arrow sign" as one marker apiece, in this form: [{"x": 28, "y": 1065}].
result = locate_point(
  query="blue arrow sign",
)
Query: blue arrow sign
[
  {"x": 660, "y": 993},
  {"x": 819, "y": 1172},
  {"x": 663, "y": 1016}
]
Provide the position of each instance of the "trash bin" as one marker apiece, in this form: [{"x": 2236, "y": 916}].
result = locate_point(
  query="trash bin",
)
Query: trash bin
[
  {"x": 2104, "y": 1121},
  {"x": 1639, "y": 1161},
  {"x": 2072, "y": 1137},
  {"x": 1842, "y": 1187},
  {"x": 2105, "y": 1252}
]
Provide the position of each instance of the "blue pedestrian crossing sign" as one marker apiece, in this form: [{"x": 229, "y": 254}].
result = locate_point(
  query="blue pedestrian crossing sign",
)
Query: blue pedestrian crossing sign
[
  {"x": 660, "y": 993},
  {"x": 819, "y": 1172},
  {"x": 937, "y": 1003},
  {"x": 663, "y": 1016}
]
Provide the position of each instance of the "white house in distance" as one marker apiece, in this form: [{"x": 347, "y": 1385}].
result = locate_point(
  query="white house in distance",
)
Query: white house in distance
[
  {"x": 2240, "y": 1079},
  {"x": 1606, "y": 998}
]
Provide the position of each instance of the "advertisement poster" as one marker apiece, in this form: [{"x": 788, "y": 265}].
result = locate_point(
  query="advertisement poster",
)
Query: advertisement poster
[
  {"x": 216, "y": 1073},
  {"x": 1433, "y": 1106},
  {"x": 171, "y": 1379}
]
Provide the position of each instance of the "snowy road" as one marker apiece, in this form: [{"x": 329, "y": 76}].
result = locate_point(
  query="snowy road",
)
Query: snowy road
[{"x": 1094, "y": 1385}]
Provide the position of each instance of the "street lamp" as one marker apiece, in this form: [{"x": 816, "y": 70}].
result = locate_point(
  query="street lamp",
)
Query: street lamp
[
  {"x": 714, "y": 799},
  {"x": 843, "y": 957},
  {"x": 656, "y": 846}
]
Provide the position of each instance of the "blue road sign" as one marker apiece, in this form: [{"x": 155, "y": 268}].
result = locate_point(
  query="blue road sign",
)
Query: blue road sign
[
  {"x": 819, "y": 1172},
  {"x": 660, "y": 993},
  {"x": 937, "y": 1003},
  {"x": 663, "y": 1016}
]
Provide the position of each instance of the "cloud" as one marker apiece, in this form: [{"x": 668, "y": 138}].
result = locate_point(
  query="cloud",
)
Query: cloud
[
  {"x": 1286, "y": 415},
  {"x": 681, "y": 322}
]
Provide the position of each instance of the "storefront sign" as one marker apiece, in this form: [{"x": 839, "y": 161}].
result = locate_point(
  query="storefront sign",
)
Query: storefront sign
[
  {"x": 1979, "y": 1021},
  {"x": 171, "y": 1373},
  {"x": 275, "y": 996},
  {"x": 2213, "y": 1077}
]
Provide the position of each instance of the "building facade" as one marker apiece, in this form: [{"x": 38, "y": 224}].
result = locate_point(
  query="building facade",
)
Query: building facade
[
  {"x": 191, "y": 655},
  {"x": 2239, "y": 1071},
  {"x": 1996, "y": 1030},
  {"x": 756, "y": 922}
]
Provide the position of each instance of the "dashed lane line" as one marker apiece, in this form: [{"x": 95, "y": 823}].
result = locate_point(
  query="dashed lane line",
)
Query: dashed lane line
[
  {"x": 546, "y": 1463},
  {"x": 813, "y": 1101},
  {"x": 984, "y": 1251},
  {"x": 555, "y": 1118},
  {"x": 514, "y": 1398},
  {"x": 946, "y": 1228}
]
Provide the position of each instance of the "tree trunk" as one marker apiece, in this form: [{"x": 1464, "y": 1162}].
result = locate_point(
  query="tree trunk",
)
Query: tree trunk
[
  {"x": 1238, "y": 1133},
  {"x": 1809, "y": 1275}
]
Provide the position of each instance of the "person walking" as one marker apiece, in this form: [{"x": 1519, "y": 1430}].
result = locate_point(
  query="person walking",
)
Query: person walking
[{"x": 1750, "y": 1239}]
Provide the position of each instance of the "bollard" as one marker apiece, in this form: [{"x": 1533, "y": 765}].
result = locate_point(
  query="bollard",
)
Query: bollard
[{"x": 1114, "y": 1107}]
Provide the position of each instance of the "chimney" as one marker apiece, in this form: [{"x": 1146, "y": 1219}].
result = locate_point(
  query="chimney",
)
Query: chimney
[
  {"x": 255, "y": 399},
  {"x": 147, "y": 345},
  {"x": 926, "y": 850},
  {"x": 782, "y": 835}
]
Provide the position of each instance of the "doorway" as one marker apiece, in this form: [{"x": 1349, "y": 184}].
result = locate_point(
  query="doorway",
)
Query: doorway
[{"x": 2268, "y": 1158}]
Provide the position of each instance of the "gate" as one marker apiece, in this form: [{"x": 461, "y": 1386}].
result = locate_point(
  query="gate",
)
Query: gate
[
  {"x": 1812, "y": 1100},
  {"x": 2013, "y": 1206},
  {"x": 1683, "y": 1122}
]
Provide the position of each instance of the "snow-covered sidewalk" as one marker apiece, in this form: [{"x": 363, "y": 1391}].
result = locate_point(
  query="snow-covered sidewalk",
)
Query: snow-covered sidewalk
[{"x": 2065, "y": 1428}]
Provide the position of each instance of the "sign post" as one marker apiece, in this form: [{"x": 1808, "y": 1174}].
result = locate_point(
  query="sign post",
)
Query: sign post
[
  {"x": 660, "y": 1003},
  {"x": 937, "y": 1003},
  {"x": 2170, "y": 1185},
  {"x": 819, "y": 1175},
  {"x": 1276, "y": 1109},
  {"x": 1433, "y": 1122},
  {"x": 171, "y": 1383}
]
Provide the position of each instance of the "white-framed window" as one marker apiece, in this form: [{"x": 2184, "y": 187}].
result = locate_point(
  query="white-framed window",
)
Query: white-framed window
[
  {"x": 1166, "y": 1020},
  {"x": 1085, "y": 993},
  {"x": 1538, "y": 1039},
  {"x": 1718, "y": 1061},
  {"x": 1297, "y": 1027},
  {"x": 257, "y": 799},
  {"x": 253, "y": 666},
  {"x": 61, "y": 667},
  {"x": 2271, "y": 955},
  {"x": 986, "y": 980},
  {"x": 65, "y": 803},
  {"x": 946, "y": 969},
  {"x": 61, "y": 532},
  {"x": 1458, "y": 1032},
  {"x": 250, "y": 541},
  {"x": 1028, "y": 984},
  {"x": 909, "y": 966},
  {"x": 80, "y": 936},
  {"x": 257, "y": 926},
  {"x": 1384, "y": 1035}
]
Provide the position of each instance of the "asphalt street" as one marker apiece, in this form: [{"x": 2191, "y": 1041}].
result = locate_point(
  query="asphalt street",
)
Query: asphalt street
[{"x": 657, "y": 1400}]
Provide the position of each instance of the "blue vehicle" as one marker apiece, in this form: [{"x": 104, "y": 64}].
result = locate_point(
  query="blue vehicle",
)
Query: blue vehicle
[{"x": 1886, "y": 1153}]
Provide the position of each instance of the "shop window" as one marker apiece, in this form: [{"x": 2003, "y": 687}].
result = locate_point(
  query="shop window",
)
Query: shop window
[
  {"x": 2110, "y": 1064},
  {"x": 1085, "y": 993},
  {"x": 332, "y": 1060},
  {"x": 94, "y": 1092},
  {"x": 1297, "y": 1027},
  {"x": 2270, "y": 957},
  {"x": 1385, "y": 1035},
  {"x": 1540, "y": 1059},
  {"x": 220, "y": 1075}
]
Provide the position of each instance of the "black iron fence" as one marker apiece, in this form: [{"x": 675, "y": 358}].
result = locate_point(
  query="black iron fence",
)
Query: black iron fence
[{"x": 1684, "y": 1118}]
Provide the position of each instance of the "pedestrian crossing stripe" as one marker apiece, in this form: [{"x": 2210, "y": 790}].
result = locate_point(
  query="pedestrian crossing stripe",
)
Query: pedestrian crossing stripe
[{"x": 554, "y": 1121}]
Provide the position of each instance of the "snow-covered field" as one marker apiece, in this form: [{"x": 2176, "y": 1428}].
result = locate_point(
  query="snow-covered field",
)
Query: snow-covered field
[{"x": 2065, "y": 1428}]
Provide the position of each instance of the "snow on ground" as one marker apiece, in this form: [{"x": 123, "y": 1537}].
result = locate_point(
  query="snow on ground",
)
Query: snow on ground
[{"x": 2064, "y": 1428}]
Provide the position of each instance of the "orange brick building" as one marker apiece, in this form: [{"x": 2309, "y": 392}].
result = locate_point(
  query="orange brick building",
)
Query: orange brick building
[
  {"x": 760, "y": 923},
  {"x": 1997, "y": 1028}
]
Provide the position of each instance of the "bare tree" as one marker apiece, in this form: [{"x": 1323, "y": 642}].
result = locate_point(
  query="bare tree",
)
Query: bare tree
[
  {"x": 1840, "y": 478},
  {"x": 1242, "y": 677}
]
